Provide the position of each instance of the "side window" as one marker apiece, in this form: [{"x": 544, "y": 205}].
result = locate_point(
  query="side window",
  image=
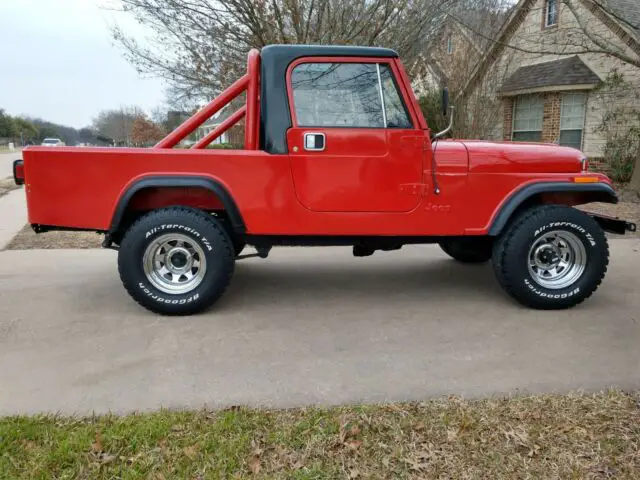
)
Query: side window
[
  {"x": 337, "y": 95},
  {"x": 396, "y": 113},
  {"x": 347, "y": 95}
]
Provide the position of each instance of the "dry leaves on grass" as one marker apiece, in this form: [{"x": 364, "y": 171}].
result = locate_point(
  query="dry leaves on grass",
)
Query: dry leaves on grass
[
  {"x": 547, "y": 436},
  {"x": 254, "y": 459},
  {"x": 191, "y": 451}
]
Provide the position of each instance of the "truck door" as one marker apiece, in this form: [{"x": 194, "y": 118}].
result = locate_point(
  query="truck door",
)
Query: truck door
[{"x": 354, "y": 146}]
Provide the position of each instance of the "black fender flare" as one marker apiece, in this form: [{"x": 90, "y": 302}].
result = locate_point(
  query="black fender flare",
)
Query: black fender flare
[
  {"x": 237, "y": 223},
  {"x": 602, "y": 192}
]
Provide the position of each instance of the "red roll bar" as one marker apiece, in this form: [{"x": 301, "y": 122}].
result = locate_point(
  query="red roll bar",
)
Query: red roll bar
[{"x": 249, "y": 82}]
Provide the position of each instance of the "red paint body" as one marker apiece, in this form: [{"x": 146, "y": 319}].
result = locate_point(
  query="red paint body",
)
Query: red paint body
[{"x": 366, "y": 181}]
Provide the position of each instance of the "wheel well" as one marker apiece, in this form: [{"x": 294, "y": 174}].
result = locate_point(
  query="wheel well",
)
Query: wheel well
[
  {"x": 151, "y": 194},
  {"x": 545, "y": 194}
]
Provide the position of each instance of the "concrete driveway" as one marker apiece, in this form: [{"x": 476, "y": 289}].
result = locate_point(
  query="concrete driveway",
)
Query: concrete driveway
[{"x": 305, "y": 326}]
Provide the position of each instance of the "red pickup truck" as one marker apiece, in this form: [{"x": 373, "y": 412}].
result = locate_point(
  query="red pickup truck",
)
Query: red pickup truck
[{"x": 336, "y": 152}]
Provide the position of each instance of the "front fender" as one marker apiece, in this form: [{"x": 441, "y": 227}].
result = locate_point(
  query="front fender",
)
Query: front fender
[{"x": 597, "y": 192}]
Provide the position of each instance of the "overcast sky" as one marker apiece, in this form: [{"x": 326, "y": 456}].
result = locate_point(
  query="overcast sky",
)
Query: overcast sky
[{"x": 58, "y": 62}]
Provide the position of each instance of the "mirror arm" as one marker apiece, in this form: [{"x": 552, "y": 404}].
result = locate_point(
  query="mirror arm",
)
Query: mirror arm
[{"x": 446, "y": 130}]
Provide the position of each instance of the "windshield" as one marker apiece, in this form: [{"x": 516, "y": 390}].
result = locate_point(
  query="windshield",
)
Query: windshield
[{"x": 50, "y": 140}]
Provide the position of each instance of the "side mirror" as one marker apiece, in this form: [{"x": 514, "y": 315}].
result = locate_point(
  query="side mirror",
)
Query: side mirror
[
  {"x": 445, "y": 101},
  {"x": 445, "y": 110}
]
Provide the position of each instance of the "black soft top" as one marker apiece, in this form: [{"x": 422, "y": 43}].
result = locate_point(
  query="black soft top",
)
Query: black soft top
[{"x": 275, "y": 116}]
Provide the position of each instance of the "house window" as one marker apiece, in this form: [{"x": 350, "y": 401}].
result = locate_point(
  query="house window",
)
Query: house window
[
  {"x": 527, "y": 118},
  {"x": 572, "y": 116},
  {"x": 450, "y": 44},
  {"x": 551, "y": 13},
  {"x": 347, "y": 95}
]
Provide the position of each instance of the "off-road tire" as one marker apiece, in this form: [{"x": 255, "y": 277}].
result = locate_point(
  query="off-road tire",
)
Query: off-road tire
[
  {"x": 199, "y": 227},
  {"x": 468, "y": 250},
  {"x": 511, "y": 256},
  {"x": 236, "y": 240}
]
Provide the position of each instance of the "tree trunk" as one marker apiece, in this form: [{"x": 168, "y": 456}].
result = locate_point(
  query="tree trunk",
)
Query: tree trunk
[{"x": 634, "y": 184}]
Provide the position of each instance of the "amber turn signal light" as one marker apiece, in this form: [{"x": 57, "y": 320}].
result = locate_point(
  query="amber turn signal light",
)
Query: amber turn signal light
[{"x": 586, "y": 179}]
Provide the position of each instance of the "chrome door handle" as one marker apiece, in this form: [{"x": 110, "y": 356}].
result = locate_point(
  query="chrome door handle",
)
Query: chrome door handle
[{"x": 314, "y": 141}]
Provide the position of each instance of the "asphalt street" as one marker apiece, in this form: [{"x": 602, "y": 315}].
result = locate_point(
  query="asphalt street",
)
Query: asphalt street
[{"x": 6, "y": 163}]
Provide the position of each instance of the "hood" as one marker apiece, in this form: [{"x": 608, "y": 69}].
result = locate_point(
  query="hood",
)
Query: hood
[{"x": 517, "y": 157}]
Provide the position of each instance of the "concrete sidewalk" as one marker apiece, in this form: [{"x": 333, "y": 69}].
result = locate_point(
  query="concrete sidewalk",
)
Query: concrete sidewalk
[
  {"x": 306, "y": 326},
  {"x": 13, "y": 215}
]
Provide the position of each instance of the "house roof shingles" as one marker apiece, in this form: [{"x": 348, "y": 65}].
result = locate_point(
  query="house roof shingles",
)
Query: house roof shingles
[
  {"x": 565, "y": 72},
  {"x": 626, "y": 11}
]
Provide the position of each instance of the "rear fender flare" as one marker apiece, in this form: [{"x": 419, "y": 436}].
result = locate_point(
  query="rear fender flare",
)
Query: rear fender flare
[
  {"x": 601, "y": 192},
  {"x": 237, "y": 223}
]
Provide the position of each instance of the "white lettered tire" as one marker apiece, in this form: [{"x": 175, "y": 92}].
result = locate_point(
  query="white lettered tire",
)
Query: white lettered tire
[
  {"x": 551, "y": 257},
  {"x": 176, "y": 261}
]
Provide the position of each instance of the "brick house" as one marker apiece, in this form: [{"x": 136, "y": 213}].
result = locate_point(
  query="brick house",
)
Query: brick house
[
  {"x": 454, "y": 51},
  {"x": 547, "y": 77}
]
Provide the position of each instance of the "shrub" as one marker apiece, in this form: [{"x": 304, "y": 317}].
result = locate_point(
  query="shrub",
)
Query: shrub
[{"x": 620, "y": 126}]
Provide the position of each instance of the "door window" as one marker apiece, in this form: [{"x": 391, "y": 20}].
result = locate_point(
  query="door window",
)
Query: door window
[
  {"x": 396, "y": 113},
  {"x": 361, "y": 95}
]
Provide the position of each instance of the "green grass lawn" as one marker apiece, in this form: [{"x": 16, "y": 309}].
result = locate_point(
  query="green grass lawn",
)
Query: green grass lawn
[
  {"x": 4, "y": 149},
  {"x": 571, "y": 436}
]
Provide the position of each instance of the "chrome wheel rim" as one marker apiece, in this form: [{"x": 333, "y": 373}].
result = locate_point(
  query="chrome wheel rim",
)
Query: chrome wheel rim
[
  {"x": 174, "y": 263},
  {"x": 557, "y": 259}
]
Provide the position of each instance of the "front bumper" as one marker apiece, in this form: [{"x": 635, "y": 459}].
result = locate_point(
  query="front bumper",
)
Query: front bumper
[{"x": 613, "y": 224}]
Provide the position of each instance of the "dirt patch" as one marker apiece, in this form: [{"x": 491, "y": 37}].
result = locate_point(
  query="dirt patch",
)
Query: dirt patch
[
  {"x": 27, "y": 239},
  {"x": 7, "y": 185}
]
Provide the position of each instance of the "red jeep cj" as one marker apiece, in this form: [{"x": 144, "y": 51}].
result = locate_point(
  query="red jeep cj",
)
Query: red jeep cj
[{"x": 336, "y": 152}]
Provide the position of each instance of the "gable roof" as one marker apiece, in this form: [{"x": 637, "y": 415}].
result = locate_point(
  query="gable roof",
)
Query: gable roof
[
  {"x": 611, "y": 12},
  {"x": 558, "y": 73}
]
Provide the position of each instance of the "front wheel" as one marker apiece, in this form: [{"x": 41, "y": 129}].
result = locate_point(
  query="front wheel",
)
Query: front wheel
[
  {"x": 176, "y": 261},
  {"x": 551, "y": 257}
]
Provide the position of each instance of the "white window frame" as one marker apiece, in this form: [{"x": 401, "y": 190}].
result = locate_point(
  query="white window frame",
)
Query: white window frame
[
  {"x": 584, "y": 116},
  {"x": 513, "y": 117},
  {"x": 547, "y": 11}
]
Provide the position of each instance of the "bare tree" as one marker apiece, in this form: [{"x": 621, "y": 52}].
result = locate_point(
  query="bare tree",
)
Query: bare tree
[
  {"x": 117, "y": 124},
  {"x": 450, "y": 59},
  {"x": 200, "y": 46}
]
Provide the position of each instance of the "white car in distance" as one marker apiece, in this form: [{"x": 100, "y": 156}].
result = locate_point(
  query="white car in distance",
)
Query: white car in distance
[{"x": 52, "y": 142}]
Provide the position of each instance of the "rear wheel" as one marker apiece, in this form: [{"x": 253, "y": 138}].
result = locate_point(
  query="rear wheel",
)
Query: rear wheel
[
  {"x": 551, "y": 257},
  {"x": 176, "y": 261},
  {"x": 468, "y": 250}
]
